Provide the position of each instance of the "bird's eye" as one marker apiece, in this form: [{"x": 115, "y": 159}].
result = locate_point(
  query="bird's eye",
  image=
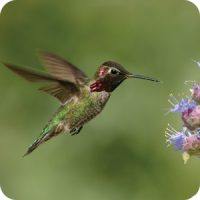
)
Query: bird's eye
[{"x": 114, "y": 71}]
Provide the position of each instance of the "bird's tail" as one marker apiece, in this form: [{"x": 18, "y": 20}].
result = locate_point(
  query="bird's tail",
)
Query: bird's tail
[
  {"x": 43, "y": 138},
  {"x": 32, "y": 147}
]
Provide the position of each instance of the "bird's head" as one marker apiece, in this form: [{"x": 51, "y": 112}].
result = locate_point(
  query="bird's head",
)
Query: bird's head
[{"x": 110, "y": 75}]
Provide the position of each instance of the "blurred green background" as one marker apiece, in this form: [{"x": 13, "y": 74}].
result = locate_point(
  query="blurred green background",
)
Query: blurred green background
[{"x": 122, "y": 153}]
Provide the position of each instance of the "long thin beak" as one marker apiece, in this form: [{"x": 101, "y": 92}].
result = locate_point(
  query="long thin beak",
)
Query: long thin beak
[{"x": 143, "y": 77}]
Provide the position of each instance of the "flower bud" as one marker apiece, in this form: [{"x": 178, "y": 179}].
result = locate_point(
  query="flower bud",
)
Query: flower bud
[
  {"x": 191, "y": 146},
  {"x": 191, "y": 118},
  {"x": 196, "y": 93}
]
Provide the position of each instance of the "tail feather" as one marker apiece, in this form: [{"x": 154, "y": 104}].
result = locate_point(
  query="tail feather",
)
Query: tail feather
[
  {"x": 32, "y": 147},
  {"x": 38, "y": 142}
]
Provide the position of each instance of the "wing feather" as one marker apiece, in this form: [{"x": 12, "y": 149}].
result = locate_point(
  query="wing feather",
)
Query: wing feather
[
  {"x": 62, "y": 69},
  {"x": 62, "y": 90},
  {"x": 29, "y": 74}
]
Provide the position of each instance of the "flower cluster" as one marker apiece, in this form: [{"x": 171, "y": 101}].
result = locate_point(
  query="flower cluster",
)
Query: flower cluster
[{"x": 187, "y": 140}]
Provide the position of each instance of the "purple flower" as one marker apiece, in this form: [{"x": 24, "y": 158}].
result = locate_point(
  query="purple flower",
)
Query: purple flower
[
  {"x": 183, "y": 105},
  {"x": 188, "y": 140},
  {"x": 185, "y": 141},
  {"x": 177, "y": 140},
  {"x": 174, "y": 138}
]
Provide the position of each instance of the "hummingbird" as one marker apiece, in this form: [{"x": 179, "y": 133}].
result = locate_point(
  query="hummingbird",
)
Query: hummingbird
[{"x": 81, "y": 99}]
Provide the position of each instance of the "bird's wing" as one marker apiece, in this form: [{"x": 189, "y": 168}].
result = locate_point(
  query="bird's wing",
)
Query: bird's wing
[
  {"x": 63, "y": 90},
  {"x": 62, "y": 69}
]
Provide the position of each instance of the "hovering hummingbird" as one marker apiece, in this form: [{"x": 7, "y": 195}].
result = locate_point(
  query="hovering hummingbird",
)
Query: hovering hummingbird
[{"x": 81, "y": 98}]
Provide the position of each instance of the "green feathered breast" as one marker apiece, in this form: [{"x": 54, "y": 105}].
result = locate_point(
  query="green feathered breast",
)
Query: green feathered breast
[{"x": 77, "y": 112}]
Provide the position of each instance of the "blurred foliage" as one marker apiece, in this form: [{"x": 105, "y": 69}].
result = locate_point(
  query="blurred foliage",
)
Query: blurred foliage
[{"x": 122, "y": 153}]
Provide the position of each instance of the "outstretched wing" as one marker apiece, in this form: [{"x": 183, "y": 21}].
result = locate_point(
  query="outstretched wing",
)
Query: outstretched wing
[
  {"x": 61, "y": 89},
  {"x": 62, "y": 69}
]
